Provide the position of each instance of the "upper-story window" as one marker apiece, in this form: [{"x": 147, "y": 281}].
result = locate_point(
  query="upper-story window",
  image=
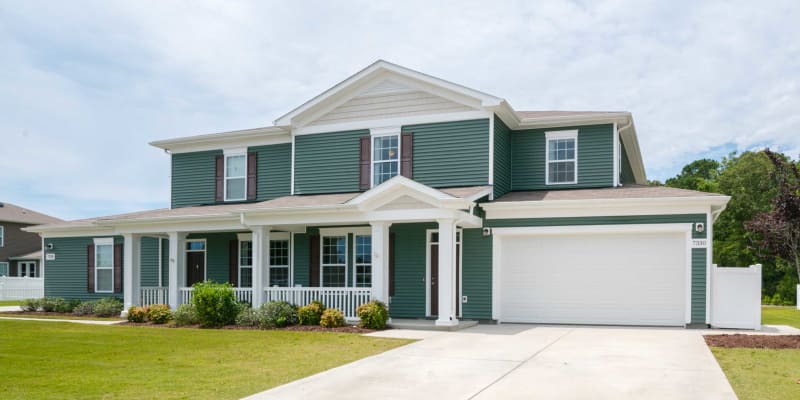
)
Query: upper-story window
[
  {"x": 235, "y": 176},
  {"x": 385, "y": 158},
  {"x": 562, "y": 157}
]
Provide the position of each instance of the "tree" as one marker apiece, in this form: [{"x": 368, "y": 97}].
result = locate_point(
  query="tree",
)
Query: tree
[
  {"x": 701, "y": 175},
  {"x": 778, "y": 230}
]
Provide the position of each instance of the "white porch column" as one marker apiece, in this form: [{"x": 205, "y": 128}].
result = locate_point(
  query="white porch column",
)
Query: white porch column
[
  {"x": 131, "y": 271},
  {"x": 260, "y": 262},
  {"x": 380, "y": 261},
  {"x": 447, "y": 273},
  {"x": 177, "y": 265}
]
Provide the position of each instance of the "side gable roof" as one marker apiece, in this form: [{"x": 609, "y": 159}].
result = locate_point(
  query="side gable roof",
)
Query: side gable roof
[{"x": 14, "y": 213}]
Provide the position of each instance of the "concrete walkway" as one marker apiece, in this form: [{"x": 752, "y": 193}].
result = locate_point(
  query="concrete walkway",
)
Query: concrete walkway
[
  {"x": 10, "y": 308},
  {"x": 77, "y": 321},
  {"x": 526, "y": 361}
]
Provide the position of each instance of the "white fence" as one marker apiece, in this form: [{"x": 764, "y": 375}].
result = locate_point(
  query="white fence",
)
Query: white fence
[
  {"x": 13, "y": 288},
  {"x": 345, "y": 299},
  {"x": 153, "y": 295},
  {"x": 736, "y": 297},
  {"x": 242, "y": 294}
]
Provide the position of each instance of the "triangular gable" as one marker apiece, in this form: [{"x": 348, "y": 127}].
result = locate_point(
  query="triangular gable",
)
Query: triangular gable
[
  {"x": 390, "y": 82},
  {"x": 401, "y": 192}
]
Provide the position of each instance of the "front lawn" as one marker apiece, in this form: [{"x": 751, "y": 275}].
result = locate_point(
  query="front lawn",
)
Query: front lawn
[
  {"x": 777, "y": 315},
  {"x": 760, "y": 374},
  {"x": 50, "y": 360}
]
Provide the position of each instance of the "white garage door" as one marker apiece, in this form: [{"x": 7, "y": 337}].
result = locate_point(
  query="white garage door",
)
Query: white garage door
[{"x": 597, "y": 278}]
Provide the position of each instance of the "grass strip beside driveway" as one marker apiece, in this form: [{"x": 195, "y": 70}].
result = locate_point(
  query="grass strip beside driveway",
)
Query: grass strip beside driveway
[
  {"x": 760, "y": 374},
  {"x": 46, "y": 360},
  {"x": 780, "y": 315}
]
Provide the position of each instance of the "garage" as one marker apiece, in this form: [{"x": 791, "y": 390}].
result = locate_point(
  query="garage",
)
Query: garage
[{"x": 633, "y": 275}]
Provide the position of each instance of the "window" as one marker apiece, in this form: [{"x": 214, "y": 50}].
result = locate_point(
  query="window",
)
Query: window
[
  {"x": 562, "y": 156},
  {"x": 27, "y": 269},
  {"x": 279, "y": 263},
  {"x": 2, "y": 236},
  {"x": 363, "y": 261},
  {"x": 245, "y": 263},
  {"x": 104, "y": 265},
  {"x": 3, "y": 269},
  {"x": 385, "y": 158},
  {"x": 334, "y": 256},
  {"x": 235, "y": 177}
]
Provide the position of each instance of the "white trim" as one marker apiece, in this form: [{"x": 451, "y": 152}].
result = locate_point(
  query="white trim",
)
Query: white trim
[
  {"x": 2, "y": 236},
  {"x": 407, "y": 120},
  {"x": 356, "y": 264},
  {"x": 244, "y": 236},
  {"x": 386, "y": 131},
  {"x": 709, "y": 261},
  {"x": 460, "y": 244},
  {"x": 215, "y": 141},
  {"x": 103, "y": 241},
  {"x": 491, "y": 156},
  {"x": 560, "y": 135},
  {"x": 31, "y": 266},
  {"x": 356, "y": 230},
  {"x": 322, "y": 257},
  {"x": 228, "y": 154},
  {"x": 239, "y": 265},
  {"x": 616, "y": 158},
  {"x": 97, "y": 243},
  {"x": 372, "y": 161},
  {"x": 283, "y": 237},
  {"x": 292, "y": 166}
]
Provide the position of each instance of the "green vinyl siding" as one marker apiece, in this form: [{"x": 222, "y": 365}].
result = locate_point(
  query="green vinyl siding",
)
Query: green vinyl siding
[
  {"x": 67, "y": 275},
  {"x": 301, "y": 254},
  {"x": 450, "y": 154},
  {"x": 327, "y": 162},
  {"x": 595, "y": 158},
  {"x": 699, "y": 285},
  {"x": 193, "y": 178},
  {"x": 274, "y": 163},
  {"x": 626, "y": 174},
  {"x": 148, "y": 261},
  {"x": 476, "y": 275},
  {"x": 502, "y": 158},
  {"x": 409, "y": 270},
  {"x": 217, "y": 254}
]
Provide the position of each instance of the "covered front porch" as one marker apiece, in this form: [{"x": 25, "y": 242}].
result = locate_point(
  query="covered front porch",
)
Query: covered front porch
[{"x": 400, "y": 245}]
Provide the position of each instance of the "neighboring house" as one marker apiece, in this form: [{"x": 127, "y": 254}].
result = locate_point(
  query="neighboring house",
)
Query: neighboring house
[
  {"x": 20, "y": 251},
  {"x": 439, "y": 199}
]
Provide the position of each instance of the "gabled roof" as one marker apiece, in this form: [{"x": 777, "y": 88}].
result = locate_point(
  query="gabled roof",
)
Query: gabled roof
[
  {"x": 36, "y": 255},
  {"x": 14, "y": 213}
]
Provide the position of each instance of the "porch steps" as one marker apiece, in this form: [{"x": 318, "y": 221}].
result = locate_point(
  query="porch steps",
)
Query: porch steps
[{"x": 428, "y": 325}]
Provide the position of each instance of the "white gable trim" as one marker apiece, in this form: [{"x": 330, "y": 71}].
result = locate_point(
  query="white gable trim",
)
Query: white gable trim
[{"x": 399, "y": 121}]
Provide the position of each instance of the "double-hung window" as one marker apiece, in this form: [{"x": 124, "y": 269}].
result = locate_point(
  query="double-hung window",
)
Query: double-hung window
[
  {"x": 334, "y": 261},
  {"x": 104, "y": 265},
  {"x": 562, "y": 157},
  {"x": 385, "y": 158},
  {"x": 279, "y": 262},
  {"x": 245, "y": 263},
  {"x": 235, "y": 176},
  {"x": 27, "y": 269},
  {"x": 3, "y": 268},
  {"x": 363, "y": 261}
]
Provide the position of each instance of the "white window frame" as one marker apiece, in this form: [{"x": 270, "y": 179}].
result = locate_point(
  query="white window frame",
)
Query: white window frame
[
  {"x": 323, "y": 265},
  {"x": 428, "y": 242},
  {"x": 8, "y": 268},
  {"x": 2, "y": 236},
  {"x": 243, "y": 266},
  {"x": 356, "y": 264},
  {"x": 228, "y": 153},
  {"x": 30, "y": 267},
  {"x": 280, "y": 237},
  {"x": 560, "y": 135},
  {"x": 382, "y": 133},
  {"x": 97, "y": 243},
  {"x": 205, "y": 257}
]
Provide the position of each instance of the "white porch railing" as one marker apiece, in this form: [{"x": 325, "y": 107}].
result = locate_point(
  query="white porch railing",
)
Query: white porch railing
[
  {"x": 346, "y": 299},
  {"x": 242, "y": 295},
  {"x": 153, "y": 295},
  {"x": 15, "y": 288}
]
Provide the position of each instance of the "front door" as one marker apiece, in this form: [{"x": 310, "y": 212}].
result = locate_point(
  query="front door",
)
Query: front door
[
  {"x": 434, "y": 279},
  {"x": 195, "y": 267}
]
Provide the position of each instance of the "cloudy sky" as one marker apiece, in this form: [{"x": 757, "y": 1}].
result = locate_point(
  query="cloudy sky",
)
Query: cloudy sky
[{"x": 85, "y": 85}]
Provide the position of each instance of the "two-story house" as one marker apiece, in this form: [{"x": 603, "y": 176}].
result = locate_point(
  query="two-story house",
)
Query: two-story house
[
  {"x": 20, "y": 251},
  {"x": 441, "y": 200}
]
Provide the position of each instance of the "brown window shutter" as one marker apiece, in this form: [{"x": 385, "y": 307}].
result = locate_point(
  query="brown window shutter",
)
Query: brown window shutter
[
  {"x": 252, "y": 172},
  {"x": 233, "y": 264},
  {"x": 365, "y": 170},
  {"x": 407, "y": 155},
  {"x": 219, "y": 178},
  {"x": 90, "y": 268},
  {"x": 391, "y": 264},
  {"x": 313, "y": 261},
  {"x": 118, "y": 268}
]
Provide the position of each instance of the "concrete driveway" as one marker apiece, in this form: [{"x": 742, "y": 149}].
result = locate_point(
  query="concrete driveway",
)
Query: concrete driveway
[{"x": 524, "y": 362}]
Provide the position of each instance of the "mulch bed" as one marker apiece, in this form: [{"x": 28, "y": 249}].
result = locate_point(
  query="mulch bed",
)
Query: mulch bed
[
  {"x": 295, "y": 328},
  {"x": 739, "y": 340}
]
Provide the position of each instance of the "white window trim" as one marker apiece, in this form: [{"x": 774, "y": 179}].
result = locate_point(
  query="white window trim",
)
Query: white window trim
[
  {"x": 556, "y": 135},
  {"x": 2, "y": 236},
  {"x": 103, "y": 242},
  {"x": 270, "y": 266},
  {"x": 205, "y": 257},
  {"x": 356, "y": 264},
  {"x": 240, "y": 265},
  {"x": 8, "y": 267},
  {"x": 30, "y": 267},
  {"x": 379, "y": 133},
  {"x": 227, "y": 153},
  {"x": 322, "y": 264},
  {"x": 428, "y": 242}
]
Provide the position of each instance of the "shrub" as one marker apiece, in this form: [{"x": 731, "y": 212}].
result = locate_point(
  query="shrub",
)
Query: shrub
[
  {"x": 248, "y": 317},
  {"x": 159, "y": 313},
  {"x": 332, "y": 318},
  {"x": 48, "y": 304},
  {"x": 277, "y": 314},
  {"x": 66, "y": 306},
  {"x": 137, "y": 314},
  {"x": 31, "y": 304},
  {"x": 311, "y": 313},
  {"x": 108, "y": 307},
  {"x": 373, "y": 315},
  {"x": 215, "y": 304},
  {"x": 185, "y": 315},
  {"x": 84, "y": 308}
]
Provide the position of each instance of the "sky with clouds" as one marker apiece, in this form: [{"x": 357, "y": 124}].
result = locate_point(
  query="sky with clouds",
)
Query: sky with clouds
[{"x": 84, "y": 85}]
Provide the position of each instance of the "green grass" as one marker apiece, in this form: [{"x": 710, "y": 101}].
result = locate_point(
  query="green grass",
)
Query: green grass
[
  {"x": 52, "y": 360},
  {"x": 10, "y": 303},
  {"x": 776, "y": 315},
  {"x": 761, "y": 374}
]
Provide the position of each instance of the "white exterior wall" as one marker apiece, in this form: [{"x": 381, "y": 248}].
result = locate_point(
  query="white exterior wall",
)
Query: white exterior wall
[{"x": 736, "y": 297}]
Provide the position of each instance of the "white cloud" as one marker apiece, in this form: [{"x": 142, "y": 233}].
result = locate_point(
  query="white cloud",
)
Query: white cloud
[{"x": 86, "y": 85}]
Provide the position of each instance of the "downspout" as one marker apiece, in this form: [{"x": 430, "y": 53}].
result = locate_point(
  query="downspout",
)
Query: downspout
[{"x": 160, "y": 262}]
